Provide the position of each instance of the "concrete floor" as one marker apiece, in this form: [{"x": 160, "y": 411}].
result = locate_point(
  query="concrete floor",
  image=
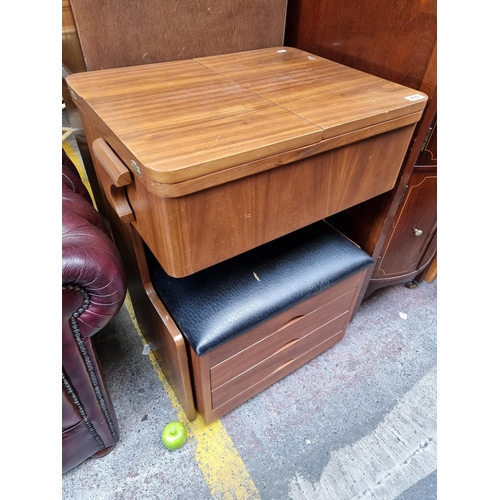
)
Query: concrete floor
[{"x": 358, "y": 421}]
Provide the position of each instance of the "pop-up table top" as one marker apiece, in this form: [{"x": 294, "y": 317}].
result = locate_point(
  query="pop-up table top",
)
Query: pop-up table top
[{"x": 211, "y": 157}]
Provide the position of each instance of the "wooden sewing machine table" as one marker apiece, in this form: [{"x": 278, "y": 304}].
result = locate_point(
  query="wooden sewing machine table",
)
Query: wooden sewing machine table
[{"x": 207, "y": 158}]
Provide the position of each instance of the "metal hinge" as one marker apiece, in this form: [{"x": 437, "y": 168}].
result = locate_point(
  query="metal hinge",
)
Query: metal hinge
[
  {"x": 426, "y": 140},
  {"x": 403, "y": 194}
]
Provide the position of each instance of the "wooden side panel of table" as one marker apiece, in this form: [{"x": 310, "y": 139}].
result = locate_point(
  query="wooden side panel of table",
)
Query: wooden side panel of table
[{"x": 166, "y": 342}]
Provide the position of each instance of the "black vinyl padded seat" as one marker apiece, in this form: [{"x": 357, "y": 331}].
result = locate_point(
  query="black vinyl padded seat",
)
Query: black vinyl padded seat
[{"x": 219, "y": 303}]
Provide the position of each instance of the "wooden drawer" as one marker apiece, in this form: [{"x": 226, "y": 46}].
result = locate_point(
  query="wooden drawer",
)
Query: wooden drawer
[
  {"x": 227, "y": 350},
  {"x": 278, "y": 360},
  {"x": 232, "y": 373},
  {"x": 287, "y": 336}
]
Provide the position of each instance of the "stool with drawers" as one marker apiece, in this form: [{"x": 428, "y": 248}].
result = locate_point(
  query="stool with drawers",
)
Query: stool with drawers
[{"x": 255, "y": 318}]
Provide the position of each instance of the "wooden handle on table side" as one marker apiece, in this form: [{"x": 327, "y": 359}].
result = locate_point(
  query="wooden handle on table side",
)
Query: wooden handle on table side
[{"x": 114, "y": 177}]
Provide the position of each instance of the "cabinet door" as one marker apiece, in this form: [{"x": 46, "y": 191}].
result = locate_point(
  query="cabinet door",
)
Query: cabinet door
[{"x": 414, "y": 227}]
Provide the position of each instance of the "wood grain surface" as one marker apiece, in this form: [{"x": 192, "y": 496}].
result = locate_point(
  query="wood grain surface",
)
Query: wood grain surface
[
  {"x": 193, "y": 232},
  {"x": 118, "y": 33},
  {"x": 185, "y": 119},
  {"x": 335, "y": 97},
  {"x": 390, "y": 39},
  {"x": 230, "y": 152}
]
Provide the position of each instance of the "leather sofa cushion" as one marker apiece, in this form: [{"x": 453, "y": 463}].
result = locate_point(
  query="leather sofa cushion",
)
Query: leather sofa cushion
[{"x": 219, "y": 303}]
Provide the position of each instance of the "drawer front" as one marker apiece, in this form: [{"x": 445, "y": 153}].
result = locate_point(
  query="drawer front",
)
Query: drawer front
[
  {"x": 269, "y": 327},
  {"x": 287, "y": 334},
  {"x": 278, "y": 361}
]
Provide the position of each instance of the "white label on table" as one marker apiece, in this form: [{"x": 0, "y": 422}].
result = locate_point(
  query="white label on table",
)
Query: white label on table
[{"x": 415, "y": 97}]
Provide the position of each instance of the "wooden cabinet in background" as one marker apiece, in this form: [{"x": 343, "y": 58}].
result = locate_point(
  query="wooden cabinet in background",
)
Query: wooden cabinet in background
[
  {"x": 396, "y": 41},
  {"x": 411, "y": 245},
  {"x": 412, "y": 241},
  {"x": 116, "y": 33}
]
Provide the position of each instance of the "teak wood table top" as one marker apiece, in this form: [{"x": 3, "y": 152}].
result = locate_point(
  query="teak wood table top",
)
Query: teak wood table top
[{"x": 182, "y": 120}]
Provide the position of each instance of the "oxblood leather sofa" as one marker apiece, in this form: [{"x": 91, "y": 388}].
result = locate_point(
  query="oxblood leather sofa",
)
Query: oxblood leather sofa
[{"x": 93, "y": 291}]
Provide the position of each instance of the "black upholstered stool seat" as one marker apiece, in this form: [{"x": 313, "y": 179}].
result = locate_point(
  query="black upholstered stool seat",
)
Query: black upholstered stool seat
[{"x": 219, "y": 303}]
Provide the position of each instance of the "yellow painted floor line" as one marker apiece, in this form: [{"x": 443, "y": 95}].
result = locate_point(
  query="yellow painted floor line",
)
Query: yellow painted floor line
[
  {"x": 74, "y": 156},
  {"x": 215, "y": 453}
]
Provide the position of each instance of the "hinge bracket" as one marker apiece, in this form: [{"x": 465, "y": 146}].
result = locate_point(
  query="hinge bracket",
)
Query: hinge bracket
[
  {"x": 426, "y": 140},
  {"x": 403, "y": 194}
]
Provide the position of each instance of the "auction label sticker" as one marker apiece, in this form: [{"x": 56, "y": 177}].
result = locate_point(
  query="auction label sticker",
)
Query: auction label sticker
[{"x": 415, "y": 97}]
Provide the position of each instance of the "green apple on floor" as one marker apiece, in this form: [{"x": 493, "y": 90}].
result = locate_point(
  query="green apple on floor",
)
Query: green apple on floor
[{"x": 173, "y": 435}]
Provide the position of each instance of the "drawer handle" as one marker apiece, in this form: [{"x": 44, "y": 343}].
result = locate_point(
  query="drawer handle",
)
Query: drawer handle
[
  {"x": 287, "y": 345},
  {"x": 283, "y": 366},
  {"x": 290, "y": 321},
  {"x": 114, "y": 177}
]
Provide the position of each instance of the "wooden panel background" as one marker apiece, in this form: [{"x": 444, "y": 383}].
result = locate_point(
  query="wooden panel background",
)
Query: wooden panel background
[
  {"x": 392, "y": 39},
  {"x": 115, "y": 33}
]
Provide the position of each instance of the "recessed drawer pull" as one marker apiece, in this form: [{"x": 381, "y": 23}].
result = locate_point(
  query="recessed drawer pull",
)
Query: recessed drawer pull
[
  {"x": 290, "y": 321},
  {"x": 241, "y": 379},
  {"x": 287, "y": 345},
  {"x": 283, "y": 366}
]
